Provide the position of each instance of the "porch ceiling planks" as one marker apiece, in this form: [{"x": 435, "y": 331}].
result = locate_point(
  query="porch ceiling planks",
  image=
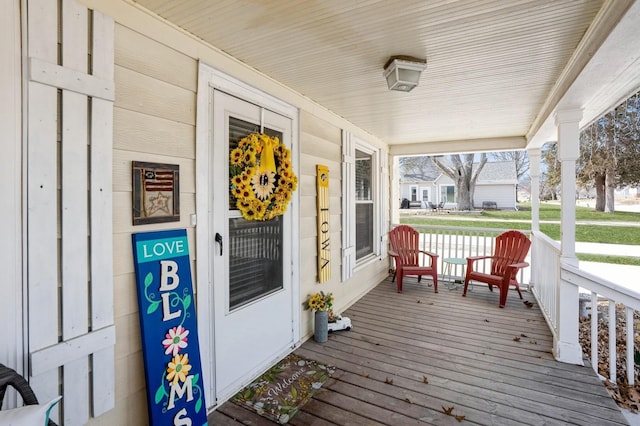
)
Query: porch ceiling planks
[
  {"x": 491, "y": 65},
  {"x": 494, "y": 366}
]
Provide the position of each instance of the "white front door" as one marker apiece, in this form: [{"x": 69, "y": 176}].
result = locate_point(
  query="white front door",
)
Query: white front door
[{"x": 251, "y": 260}]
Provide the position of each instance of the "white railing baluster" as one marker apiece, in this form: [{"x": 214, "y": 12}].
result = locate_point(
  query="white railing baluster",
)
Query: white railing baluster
[
  {"x": 630, "y": 348},
  {"x": 612, "y": 341}
]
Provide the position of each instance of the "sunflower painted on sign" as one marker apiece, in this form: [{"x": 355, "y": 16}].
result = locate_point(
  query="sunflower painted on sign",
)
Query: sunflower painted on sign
[{"x": 262, "y": 179}]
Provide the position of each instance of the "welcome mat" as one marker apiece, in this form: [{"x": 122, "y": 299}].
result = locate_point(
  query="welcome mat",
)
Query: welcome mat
[{"x": 280, "y": 392}]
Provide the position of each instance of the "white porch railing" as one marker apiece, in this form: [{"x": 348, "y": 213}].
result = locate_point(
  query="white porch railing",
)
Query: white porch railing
[
  {"x": 606, "y": 292},
  {"x": 549, "y": 272},
  {"x": 544, "y": 277},
  {"x": 451, "y": 242}
]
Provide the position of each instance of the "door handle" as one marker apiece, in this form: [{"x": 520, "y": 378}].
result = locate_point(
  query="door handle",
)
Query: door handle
[{"x": 219, "y": 241}]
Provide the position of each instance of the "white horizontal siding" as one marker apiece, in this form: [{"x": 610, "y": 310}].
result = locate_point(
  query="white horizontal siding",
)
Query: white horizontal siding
[
  {"x": 154, "y": 120},
  {"x": 503, "y": 195}
]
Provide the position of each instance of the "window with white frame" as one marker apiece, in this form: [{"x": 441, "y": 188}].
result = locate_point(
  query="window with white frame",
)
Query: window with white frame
[
  {"x": 448, "y": 194},
  {"x": 364, "y": 202}
]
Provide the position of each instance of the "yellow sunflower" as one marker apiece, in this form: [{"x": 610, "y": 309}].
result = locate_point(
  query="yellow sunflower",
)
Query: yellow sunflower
[
  {"x": 263, "y": 184},
  {"x": 320, "y": 301},
  {"x": 236, "y": 157},
  {"x": 249, "y": 157}
]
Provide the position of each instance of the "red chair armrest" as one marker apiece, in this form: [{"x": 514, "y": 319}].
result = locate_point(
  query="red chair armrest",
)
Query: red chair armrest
[
  {"x": 474, "y": 258},
  {"x": 519, "y": 265},
  {"x": 428, "y": 253}
]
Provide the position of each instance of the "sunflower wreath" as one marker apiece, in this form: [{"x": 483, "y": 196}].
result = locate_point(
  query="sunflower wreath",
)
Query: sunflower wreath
[{"x": 262, "y": 179}]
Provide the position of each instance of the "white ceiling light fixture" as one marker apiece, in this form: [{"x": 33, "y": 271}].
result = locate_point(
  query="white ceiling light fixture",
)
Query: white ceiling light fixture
[{"x": 403, "y": 72}]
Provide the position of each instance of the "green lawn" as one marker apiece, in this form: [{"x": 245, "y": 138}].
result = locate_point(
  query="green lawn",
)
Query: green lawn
[
  {"x": 549, "y": 211},
  {"x": 584, "y": 232}
]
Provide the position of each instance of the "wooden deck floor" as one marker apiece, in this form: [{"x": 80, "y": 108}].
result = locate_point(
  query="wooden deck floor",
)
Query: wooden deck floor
[{"x": 493, "y": 366}]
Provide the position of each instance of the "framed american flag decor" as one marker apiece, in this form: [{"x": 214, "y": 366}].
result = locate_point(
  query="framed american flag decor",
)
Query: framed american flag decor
[{"x": 156, "y": 192}]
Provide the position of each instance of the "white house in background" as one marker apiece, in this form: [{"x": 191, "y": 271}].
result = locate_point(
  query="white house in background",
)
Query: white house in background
[{"x": 497, "y": 184}]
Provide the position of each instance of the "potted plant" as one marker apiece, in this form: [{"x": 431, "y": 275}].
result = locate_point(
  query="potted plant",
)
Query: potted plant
[{"x": 320, "y": 303}]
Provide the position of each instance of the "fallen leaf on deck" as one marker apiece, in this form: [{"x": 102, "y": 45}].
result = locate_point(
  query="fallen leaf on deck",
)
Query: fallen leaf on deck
[
  {"x": 408, "y": 400},
  {"x": 516, "y": 339},
  {"x": 365, "y": 375},
  {"x": 388, "y": 381},
  {"x": 446, "y": 410},
  {"x": 460, "y": 418},
  {"x": 523, "y": 335},
  {"x": 418, "y": 301},
  {"x": 424, "y": 379},
  {"x": 486, "y": 320}
]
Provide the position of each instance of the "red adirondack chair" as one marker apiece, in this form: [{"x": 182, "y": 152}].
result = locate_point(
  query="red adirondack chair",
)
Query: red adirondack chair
[
  {"x": 508, "y": 258},
  {"x": 406, "y": 254}
]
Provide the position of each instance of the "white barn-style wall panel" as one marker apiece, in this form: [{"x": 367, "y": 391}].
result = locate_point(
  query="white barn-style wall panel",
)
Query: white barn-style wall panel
[
  {"x": 11, "y": 189},
  {"x": 70, "y": 95}
]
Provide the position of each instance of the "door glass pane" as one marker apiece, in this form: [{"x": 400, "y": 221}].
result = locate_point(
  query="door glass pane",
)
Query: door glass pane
[
  {"x": 255, "y": 259},
  {"x": 255, "y": 247}
]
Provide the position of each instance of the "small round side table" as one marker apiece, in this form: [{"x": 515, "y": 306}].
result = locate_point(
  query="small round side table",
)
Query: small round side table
[{"x": 448, "y": 266}]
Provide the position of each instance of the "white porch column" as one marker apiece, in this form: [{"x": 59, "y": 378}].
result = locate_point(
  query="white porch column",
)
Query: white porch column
[
  {"x": 566, "y": 347},
  {"x": 394, "y": 193},
  {"x": 568, "y": 151},
  {"x": 534, "y": 172}
]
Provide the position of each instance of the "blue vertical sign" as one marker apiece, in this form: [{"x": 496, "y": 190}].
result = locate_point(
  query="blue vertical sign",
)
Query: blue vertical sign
[{"x": 175, "y": 391}]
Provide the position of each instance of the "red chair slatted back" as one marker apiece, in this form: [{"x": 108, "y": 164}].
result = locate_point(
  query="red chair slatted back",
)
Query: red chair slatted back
[
  {"x": 405, "y": 242},
  {"x": 511, "y": 247}
]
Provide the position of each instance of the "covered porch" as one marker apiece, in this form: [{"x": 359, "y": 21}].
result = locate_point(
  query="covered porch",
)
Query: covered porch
[
  {"x": 501, "y": 76},
  {"x": 492, "y": 365}
]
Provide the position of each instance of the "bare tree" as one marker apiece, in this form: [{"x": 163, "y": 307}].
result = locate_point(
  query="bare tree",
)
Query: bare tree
[
  {"x": 418, "y": 165},
  {"x": 464, "y": 175},
  {"x": 610, "y": 152},
  {"x": 597, "y": 161},
  {"x": 520, "y": 158},
  {"x": 628, "y": 120},
  {"x": 551, "y": 176}
]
